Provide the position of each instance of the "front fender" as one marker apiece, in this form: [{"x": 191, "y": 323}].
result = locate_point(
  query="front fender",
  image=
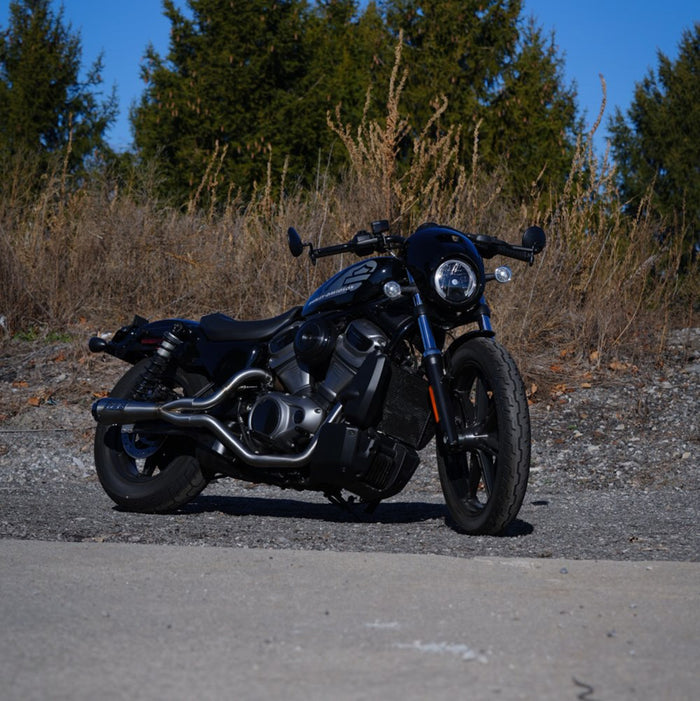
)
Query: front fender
[{"x": 465, "y": 338}]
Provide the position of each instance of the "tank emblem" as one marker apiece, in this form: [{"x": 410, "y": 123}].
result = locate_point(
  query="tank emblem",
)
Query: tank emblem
[
  {"x": 359, "y": 273},
  {"x": 346, "y": 281}
]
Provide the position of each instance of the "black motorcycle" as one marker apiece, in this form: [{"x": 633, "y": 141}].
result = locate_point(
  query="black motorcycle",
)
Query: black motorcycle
[{"x": 336, "y": 396}]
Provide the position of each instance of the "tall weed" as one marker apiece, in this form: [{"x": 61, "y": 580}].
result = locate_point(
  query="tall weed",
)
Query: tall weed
[{"x": 605, "y": 286}]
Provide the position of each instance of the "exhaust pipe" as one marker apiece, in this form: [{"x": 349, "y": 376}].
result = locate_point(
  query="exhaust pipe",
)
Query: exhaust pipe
[
  {"x": 124, "y": 411},
  {"x": 111, "y": 410}
]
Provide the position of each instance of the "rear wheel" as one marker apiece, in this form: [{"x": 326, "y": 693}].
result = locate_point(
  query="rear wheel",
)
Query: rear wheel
[
  {"x": 484, "y": 485},
  {"x": 149, "y": 472}
]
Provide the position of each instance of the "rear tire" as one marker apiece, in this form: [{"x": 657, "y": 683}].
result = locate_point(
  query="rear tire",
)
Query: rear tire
[
  {"x": 145, "y": 472},
  {"x": 484, "y": 487}
]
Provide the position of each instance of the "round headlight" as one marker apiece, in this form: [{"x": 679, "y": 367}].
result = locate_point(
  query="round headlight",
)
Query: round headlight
[{"x": 455, "y": 281}]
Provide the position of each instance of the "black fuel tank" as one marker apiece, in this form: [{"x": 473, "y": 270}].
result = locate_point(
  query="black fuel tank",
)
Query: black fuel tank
[{"x": 357, "y": 284}]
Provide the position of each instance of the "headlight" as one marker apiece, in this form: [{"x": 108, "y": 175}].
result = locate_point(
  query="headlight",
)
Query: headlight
[{"x": 455, "y": 281}]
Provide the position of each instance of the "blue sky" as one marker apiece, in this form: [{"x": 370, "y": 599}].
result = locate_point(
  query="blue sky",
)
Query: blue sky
[{"x": 619, "y": 39}]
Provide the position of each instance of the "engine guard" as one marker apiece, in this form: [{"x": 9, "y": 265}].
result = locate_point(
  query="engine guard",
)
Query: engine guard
[{"x": 366, "y": 463}]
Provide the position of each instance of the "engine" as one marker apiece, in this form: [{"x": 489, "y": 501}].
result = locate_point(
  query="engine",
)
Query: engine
[{"x": 314, "y": 364}]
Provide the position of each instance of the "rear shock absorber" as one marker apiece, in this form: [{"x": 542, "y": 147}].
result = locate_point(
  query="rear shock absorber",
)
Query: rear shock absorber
[{"x": 153, "y": 374}]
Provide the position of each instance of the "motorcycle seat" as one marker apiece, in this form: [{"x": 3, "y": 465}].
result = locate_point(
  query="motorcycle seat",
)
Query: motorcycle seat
[{"x": 219, "y": 327}]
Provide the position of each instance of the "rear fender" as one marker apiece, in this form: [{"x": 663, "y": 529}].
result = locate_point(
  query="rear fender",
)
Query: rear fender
[
  {"x": 138, "y": 340},
  {"x": 217, "y": 360}
]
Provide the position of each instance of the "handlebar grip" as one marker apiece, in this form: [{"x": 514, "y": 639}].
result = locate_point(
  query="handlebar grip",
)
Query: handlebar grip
[
  {"x": 362, "y": 244},
  {"x": 331, "y": 250},
  {"x": 525, "y": 254}
]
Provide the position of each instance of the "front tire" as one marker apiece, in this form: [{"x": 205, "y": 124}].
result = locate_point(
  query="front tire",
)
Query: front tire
[
  {"x": 149, "y": 472},
  {"x": 484, "y": 486}
]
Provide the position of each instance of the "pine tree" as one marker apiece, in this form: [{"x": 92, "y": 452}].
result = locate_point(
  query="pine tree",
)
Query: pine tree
[
  {"x": 256, "y": 78},
  {"x": 456, "y": 48},
  {"x": 532, "y": 120},
  {"x": 659, "y": 142},
  {"x": 350, "y": 54},
  {"x": 495, "y": 74},
  {"x": 227, "y": 80},
  {"x": 44, "y": 104}
]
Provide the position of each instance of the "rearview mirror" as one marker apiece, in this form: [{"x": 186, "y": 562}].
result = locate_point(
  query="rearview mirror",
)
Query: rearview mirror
[
  {"x": 296, "y": 247},
  {"x": 534, "y": 238}
]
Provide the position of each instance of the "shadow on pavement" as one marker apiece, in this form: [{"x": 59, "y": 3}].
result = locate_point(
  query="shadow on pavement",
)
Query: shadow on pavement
[{"x": 386, "y": 512}]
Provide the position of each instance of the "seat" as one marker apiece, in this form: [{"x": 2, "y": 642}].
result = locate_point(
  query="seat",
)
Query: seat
[{"x": 219, "y": 327}]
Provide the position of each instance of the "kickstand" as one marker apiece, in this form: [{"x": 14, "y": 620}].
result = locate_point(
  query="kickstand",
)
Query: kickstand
[
  {"x": 346, "y": 505},
  {"x": 371, "y": 506}
]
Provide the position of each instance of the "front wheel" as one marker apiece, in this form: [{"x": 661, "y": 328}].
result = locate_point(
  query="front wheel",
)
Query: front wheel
[
  {"x": 148, "y": 471},
  {"x": 484, "y": 485}
]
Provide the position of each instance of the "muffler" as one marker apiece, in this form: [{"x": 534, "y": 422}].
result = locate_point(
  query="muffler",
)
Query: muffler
[{"x": 111, "y": 410}]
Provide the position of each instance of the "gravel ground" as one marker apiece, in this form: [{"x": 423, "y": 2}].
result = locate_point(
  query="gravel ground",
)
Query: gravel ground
[{"x": 615, "y": 472}]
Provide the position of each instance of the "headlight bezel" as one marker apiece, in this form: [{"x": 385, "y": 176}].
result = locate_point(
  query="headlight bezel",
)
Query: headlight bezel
[
  {"x": 426, "y": 249},
  {"x": 456, "y": 281}
]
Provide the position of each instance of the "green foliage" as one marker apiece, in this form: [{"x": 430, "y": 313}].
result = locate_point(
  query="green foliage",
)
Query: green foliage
[
  {"x": 495, "y": 74},
  {"x": 534, "y": 125},
  {"x": 45, "y": 107},
  {"x": 349, "y": 55},
  {"x": 456, "y": 48},
  {"x": 659, "y": 142},
  {"x": 225, "y": 90},
  {"x": 246, "y": 86}
]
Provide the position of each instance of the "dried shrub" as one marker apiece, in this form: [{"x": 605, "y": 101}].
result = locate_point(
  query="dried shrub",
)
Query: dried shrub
[{"x": 606, "y": 285}]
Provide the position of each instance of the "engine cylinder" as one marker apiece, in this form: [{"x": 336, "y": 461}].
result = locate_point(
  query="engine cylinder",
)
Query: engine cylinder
[
  {"x": 361, "y": 338},
  {"x": 283, "y": 363},
  {"x": 314, "y": 342}
]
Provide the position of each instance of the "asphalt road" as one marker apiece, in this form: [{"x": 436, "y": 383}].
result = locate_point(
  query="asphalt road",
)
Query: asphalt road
[{"x": 130, "y": 621}]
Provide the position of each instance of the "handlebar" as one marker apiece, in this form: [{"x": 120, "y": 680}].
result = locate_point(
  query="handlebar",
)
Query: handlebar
[
  {"x": 329, "y": 251},
  {"x": 490, "y": 246},
  {"x": 365, "y": 243}
]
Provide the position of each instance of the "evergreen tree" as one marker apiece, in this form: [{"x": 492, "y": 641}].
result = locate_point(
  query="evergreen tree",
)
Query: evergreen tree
[
  {"x": 456, "y": 48},
  {"x": 43, "y": 102},
  {"x": 532, "y": 119},
  {"x": 507, "y": 80},
  {"x": 659, "y": 143},
  {"x": 350, "y": 53},
  {"x": 257, "y": 78},
  {"x": 226, "y": 83}
]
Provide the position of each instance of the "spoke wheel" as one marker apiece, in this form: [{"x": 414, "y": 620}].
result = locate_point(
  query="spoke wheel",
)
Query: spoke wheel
[
  {"x": 484, "y": 485},
  {"x": 144, "y": 470}
]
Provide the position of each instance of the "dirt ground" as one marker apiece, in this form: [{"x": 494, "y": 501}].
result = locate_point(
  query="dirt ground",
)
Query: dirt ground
[{"x": 615, "y": 471}]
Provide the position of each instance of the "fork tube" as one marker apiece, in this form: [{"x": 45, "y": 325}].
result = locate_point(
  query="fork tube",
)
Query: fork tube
[
  {"x": 435, "y": 371},
  {"x": 484, "y": 315}
]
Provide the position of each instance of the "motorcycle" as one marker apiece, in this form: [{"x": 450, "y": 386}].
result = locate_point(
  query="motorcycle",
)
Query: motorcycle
[{"x": 338, "y": 395}]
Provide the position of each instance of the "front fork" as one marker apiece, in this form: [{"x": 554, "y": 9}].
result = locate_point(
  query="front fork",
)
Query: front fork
[{"x": 434, "y": 367}]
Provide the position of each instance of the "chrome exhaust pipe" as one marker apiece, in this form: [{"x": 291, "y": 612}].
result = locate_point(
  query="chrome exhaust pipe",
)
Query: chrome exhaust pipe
[{"x": 111, "y": 410}]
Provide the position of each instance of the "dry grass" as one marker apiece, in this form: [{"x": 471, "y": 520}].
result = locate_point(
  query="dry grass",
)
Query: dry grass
[{"x": 604, "y": 287}]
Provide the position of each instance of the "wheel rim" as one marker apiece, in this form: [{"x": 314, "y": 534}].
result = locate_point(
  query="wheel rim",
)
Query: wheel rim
[
  {"x": 473, "y": 472},
  {"x": 143, "y": 455},
  {"x": 140, "y": 445}
]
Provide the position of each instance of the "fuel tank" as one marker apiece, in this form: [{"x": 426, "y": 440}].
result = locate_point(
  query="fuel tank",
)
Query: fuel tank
[{"x": 356, "y": 284}]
